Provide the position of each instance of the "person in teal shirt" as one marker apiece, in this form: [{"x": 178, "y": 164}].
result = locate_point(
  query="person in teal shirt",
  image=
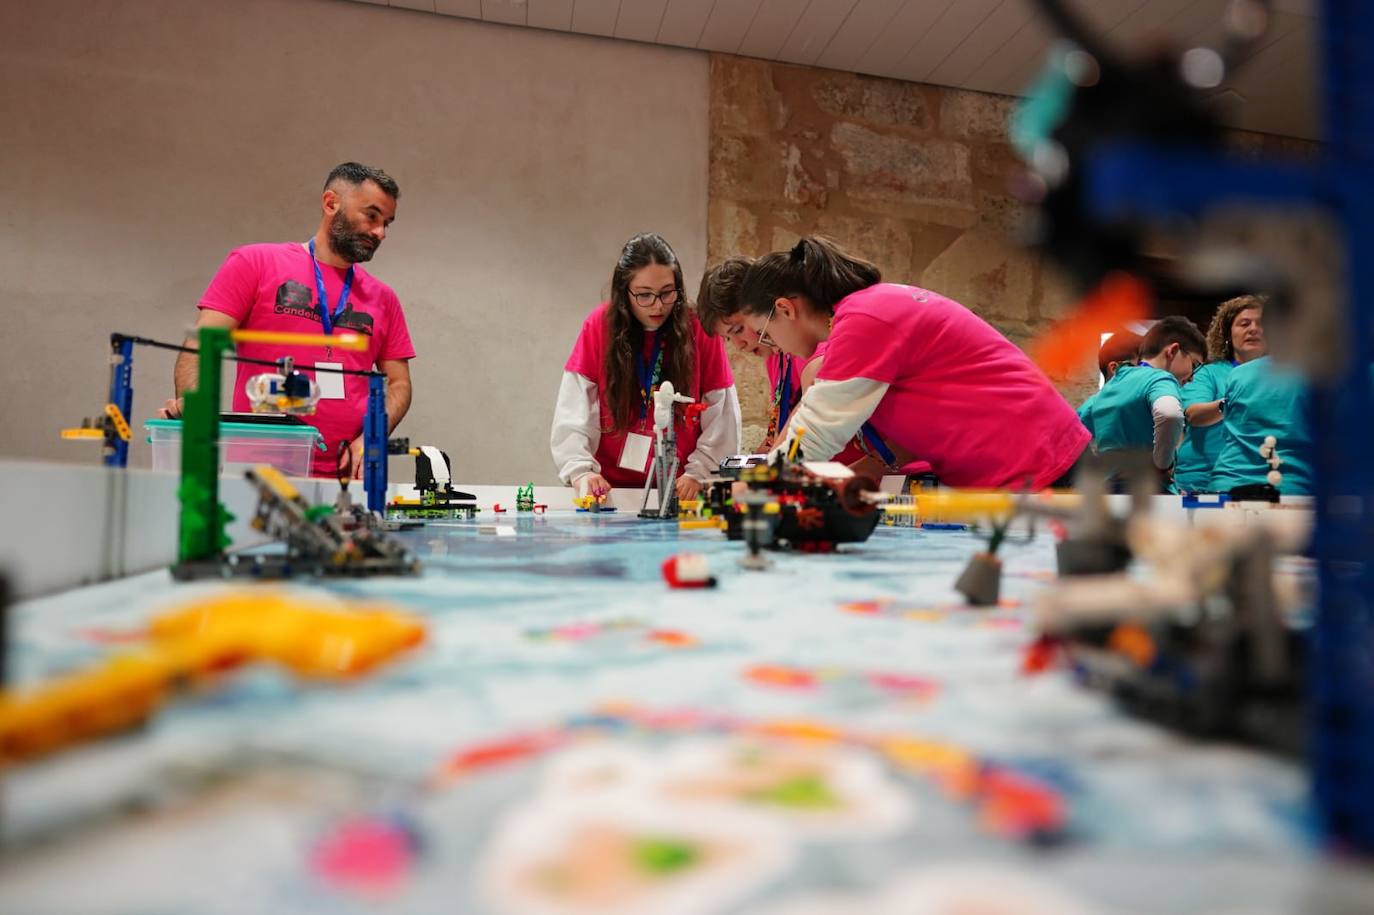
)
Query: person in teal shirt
[
  {"x": 1121, "y": 348},
  {"x": 1235, "y": 336},
  {"x": 1264, "y": 399},
  {"x": 1141, "y": 407}
]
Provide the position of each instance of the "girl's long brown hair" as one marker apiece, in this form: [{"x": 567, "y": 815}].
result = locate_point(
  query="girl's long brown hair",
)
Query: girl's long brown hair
[
  {"x": 816, "y": 268},
  {"x": 625, "y": 343}
]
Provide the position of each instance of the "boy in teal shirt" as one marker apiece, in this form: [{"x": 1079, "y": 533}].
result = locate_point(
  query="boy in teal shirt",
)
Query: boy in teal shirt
[
  {"x": 1121, "y": 348},
  {"x": 1141, "y": 407},
  {"x": 1235, "y": 337}
]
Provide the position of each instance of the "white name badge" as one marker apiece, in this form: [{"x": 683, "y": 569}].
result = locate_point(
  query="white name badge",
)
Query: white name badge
[
  {"x": 331, "y": 383},
  {"x": 635, "y": 455}
]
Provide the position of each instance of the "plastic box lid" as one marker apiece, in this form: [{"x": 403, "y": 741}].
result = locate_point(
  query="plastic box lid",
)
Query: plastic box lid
[{"x": 264, "y": 431}]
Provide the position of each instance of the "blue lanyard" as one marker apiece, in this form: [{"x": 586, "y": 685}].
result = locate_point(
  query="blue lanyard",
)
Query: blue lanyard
[
  {"x": 784, "y": 392},
  {"x": 875, "y": 441},
  {"x": 649, "y": 372},
  {"x": 325, "y": 317}
]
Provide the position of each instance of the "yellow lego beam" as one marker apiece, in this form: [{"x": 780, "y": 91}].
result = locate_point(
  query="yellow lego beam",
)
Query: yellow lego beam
[
  {"x": 972, "y": 504},
  {"x": 117, "y": 417},
  {"x": 341, "y": 341}
]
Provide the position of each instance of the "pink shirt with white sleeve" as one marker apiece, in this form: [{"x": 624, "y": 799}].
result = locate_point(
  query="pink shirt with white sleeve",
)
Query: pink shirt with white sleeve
[{"x": 960, "y": 395}]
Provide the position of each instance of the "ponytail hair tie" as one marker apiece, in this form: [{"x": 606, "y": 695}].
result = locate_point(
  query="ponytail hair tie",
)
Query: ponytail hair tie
[{"x": 799, "y": 251}]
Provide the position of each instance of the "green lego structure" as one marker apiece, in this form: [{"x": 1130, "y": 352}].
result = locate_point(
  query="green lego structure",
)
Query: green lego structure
[{"x": 203, "y": 517}]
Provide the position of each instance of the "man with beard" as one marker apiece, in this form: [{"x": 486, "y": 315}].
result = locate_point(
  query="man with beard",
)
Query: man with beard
[{"x": 312, "y": 287}]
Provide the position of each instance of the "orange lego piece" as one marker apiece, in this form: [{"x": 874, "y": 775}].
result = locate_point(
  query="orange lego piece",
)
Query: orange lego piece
[
  {"x": 777, "y": 675},
  {"x": 1132, "y": 641},
  {"x": 193, "y": 647}
]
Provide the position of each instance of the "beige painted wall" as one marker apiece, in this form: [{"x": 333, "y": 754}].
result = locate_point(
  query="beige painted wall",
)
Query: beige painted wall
[{"x": 142, "y": 139}]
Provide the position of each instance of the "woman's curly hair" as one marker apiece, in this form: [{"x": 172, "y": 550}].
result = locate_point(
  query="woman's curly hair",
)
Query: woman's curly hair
[{"x": 1219, "y": 346}]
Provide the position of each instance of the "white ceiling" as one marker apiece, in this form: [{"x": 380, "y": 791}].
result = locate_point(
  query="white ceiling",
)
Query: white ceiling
[{"x": 990, "y": 45}]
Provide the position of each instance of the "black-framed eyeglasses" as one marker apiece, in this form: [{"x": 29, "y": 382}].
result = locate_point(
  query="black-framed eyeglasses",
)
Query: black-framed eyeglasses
[
  {"x": 764, "y": 339},
  {"x": 646, "y": 299}
]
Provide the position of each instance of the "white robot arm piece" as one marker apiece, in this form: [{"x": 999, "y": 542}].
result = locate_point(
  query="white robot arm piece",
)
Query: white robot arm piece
[{"x": 664, "y": 398}]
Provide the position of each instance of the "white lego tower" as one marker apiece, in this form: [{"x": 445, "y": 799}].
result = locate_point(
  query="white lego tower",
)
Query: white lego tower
[{"x": 663, "y": 472}]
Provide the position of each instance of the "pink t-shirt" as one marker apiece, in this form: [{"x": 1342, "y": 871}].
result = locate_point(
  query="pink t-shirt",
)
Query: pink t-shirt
[
  {"x": 960, "y": 395},
  {"x": 858, "y": 448},
  {"x": 272, "y": 287},
  {"x": 710, "y": 372}
]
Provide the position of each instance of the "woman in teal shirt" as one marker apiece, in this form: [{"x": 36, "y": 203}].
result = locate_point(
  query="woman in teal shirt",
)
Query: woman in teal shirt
[
  {"x": 1264, "y": 399},
  {"x": 1235, "y": 337}
]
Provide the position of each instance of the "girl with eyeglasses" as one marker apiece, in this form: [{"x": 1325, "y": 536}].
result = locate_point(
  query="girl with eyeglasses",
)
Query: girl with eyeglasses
[
  {"x": 929, "y": 375},
  {"x": 717, "y": 308},
  {"x": 643, "y": 335},
  {"x": 720, "y": 317}
]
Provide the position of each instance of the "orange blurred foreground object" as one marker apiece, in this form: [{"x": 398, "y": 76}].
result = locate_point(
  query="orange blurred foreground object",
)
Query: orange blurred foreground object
[
  {"x": 1119, "y": 299},
  {"x": 314, "y": 639}
]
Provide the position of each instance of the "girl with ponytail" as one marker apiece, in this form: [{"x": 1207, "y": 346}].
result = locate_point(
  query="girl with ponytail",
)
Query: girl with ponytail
[
  {"x": 926, "y": 374},
  {"x": 643, "y": 335}
]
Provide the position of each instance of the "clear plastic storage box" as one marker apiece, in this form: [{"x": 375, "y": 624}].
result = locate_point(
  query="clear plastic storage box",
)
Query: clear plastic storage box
[{"x": 287, "y": 447}]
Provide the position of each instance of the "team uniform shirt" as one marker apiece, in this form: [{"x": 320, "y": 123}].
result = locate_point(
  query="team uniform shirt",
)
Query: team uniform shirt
[
  {"x": 941, "y": 383},
  {"x": 272, "y": 287},
  {"x": 1198, "y": 453},
  {"x": 583, "y": 439},
  {"x": 866, "y": 442},
  {"x": 1120, "y": 416},
  {"x": 1085, "y": 410},
  {"x": 1264, "y": 399}
]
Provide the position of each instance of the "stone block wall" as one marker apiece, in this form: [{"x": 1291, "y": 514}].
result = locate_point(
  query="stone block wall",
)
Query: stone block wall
[{"x": 912, "y": 177}]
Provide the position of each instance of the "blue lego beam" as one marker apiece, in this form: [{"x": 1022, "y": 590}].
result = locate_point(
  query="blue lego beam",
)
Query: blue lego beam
[
  {"x": 1125, "y": 181},
  {"x": 121, "y": 394},
  {"x": 374, "y": 444}
]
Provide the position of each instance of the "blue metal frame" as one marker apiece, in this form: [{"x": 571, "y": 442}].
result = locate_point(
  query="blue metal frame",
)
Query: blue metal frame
[
  {"x": 374, "y": 444},
  {"x": 121, "y": 395},
  {"x": 1140, "y": 182}
]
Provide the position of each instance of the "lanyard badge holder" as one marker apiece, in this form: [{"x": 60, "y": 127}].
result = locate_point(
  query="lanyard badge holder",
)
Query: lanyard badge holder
[
  {"x": 782, "y": 401},
  {"x": 871, "y": 443},
  {"x": 634, "y": 454},
  {"x": 331, "y": 384}
]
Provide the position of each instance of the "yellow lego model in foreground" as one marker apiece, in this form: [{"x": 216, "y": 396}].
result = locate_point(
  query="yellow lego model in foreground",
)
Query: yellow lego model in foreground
[{"x": 192, "y": 647}]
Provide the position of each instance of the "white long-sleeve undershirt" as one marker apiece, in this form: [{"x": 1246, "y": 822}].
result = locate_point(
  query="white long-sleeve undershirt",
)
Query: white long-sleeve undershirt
[
  {"x": 1169, "y": 425},
  {"x": 576, "y": 431},
  {"x": 720, "y": 434},
  {"x": 831, "y": 412}
]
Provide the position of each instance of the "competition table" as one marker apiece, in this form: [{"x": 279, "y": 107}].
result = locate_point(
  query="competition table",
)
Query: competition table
[{"x": 834, "y": 734}]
